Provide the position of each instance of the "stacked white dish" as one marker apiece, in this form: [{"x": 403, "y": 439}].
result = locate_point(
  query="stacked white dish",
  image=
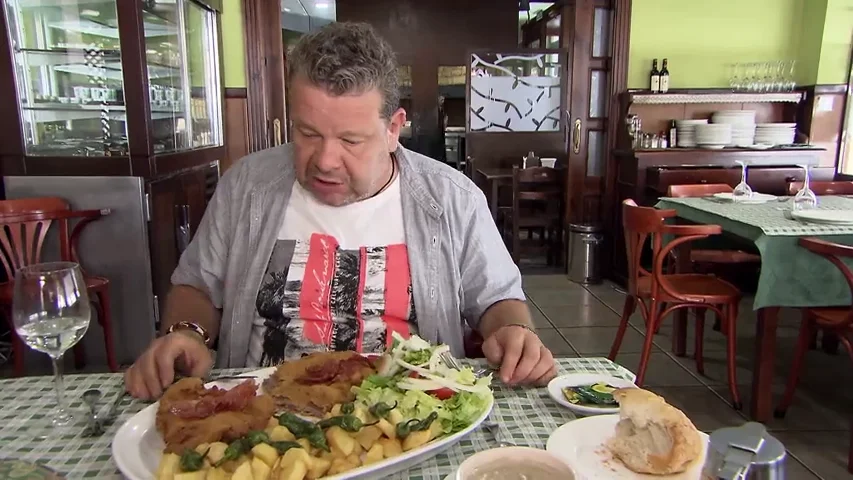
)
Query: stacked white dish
[
  {"x": 743, "y": 126},
  {"x": 713, "y": 135},
  {"x": 775, "y": 133},
  {"x": 685, "y": 132}
]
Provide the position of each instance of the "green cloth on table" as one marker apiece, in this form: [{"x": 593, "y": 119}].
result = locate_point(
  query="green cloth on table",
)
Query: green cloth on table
[
  {"x": 791, "y": 276},
  {"x": 527, "y": 417}
]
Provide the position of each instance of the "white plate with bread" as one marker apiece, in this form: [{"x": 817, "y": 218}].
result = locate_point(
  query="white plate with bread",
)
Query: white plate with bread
[{"x": 647, "y": 439}]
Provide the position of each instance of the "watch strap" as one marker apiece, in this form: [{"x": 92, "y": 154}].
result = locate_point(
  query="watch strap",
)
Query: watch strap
[{"x": 193, "y": 327}]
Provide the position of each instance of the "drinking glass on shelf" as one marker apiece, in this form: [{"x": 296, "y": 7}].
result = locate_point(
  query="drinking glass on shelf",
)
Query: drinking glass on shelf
[
  {"x": 805, "y": 199},
  {"x": 50, "y": 310},
  {"x": 742, "y": 191},
  {"x": 790, "y": 82},
  {"x": 735, "y": 80}
]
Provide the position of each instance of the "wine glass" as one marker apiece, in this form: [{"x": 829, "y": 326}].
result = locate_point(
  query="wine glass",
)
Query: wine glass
[
  {"x": 742, "y": 191},
  {"x": 805, "y": 199},
  {"x": 51, "y": 314}
]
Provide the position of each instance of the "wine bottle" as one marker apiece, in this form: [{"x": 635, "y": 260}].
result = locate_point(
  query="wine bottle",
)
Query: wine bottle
[
  {"x": 672, "y": 135},
  {"x": 664, "y": 78},
  {"x": 654, "y": 77}
]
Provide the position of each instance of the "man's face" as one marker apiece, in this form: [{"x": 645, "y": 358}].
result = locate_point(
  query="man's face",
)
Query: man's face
[{"x": 342, "y": 142}]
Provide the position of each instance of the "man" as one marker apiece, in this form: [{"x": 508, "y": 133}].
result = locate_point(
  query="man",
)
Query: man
[{"x": 341, "y": 239}]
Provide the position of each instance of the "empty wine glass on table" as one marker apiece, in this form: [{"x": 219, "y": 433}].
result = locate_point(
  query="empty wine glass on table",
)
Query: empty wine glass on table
[
  {"x": 50, "y": 310},
  {"x": 742, "y": 191},
  {"x": 805, "y": 199}
]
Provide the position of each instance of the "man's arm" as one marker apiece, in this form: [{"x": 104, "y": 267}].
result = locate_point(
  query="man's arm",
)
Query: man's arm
[
  {"x": 503, "y": 313},
  {"x": 188, "y": 304}
]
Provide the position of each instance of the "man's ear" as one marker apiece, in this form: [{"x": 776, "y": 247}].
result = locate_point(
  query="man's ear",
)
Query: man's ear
[{"x": 395, "y": 124}]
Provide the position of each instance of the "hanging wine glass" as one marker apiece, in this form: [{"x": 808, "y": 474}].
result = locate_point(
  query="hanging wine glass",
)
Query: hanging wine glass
[
  {"x": 805, "y": 199},
  {"x": 742, "y": 191}
]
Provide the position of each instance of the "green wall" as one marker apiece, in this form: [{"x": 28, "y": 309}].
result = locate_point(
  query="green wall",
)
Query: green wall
[
  {"x": 835, "y": 49},
  {"x": 233, "y": 45},
  {"x": 703, "y": 39}
]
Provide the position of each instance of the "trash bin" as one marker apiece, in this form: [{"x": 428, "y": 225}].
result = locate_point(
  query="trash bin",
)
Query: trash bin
[{"x": 584, "y": 254}]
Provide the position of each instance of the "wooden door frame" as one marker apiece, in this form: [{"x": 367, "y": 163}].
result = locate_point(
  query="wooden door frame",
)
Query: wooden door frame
[{"x": 265, "y": 82}]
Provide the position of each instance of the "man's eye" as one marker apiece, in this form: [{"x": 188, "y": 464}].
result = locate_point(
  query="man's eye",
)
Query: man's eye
[
  {"x": 308, "y": 134},
  {"x": 351, "y": 142}
]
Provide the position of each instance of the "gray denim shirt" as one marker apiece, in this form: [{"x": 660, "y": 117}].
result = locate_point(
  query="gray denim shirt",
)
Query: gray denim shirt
[{"x": 458, "y": 262}]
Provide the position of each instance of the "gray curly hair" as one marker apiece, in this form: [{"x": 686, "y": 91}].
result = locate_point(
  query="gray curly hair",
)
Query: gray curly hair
[{"x": 347, "y": 58}]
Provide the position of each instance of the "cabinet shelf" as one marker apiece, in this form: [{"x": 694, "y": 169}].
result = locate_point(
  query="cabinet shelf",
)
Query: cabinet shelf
[
  {"x": 648, "y": 98},
  {"x": 57, "y": 112},
  {"x": 92, "y": 28},
  {"x": 112, "y": 71}
]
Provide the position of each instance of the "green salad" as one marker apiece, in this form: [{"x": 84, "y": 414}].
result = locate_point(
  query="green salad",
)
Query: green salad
[{"x": 413, "y": 379}]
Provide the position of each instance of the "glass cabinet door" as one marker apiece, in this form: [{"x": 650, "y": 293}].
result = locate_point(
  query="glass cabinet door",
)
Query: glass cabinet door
[
  {"x": 69, "y": 77},
  {"x": 182, "y": 51}
]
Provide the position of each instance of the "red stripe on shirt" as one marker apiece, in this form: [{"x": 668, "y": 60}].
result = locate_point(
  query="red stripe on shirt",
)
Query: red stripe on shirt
[
  {"x": 316, "y": 289},
  {"x": 397, "y": 281},
  {"x": 362, "y": 279}
]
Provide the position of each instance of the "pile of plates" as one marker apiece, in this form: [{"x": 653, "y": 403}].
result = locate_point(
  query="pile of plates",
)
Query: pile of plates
[
  {"x": 685, "y": 132},
  {"x": 713, "y": 135},
  {"x": 743, "y": 126},
  {"x": 775, "y": 133}
]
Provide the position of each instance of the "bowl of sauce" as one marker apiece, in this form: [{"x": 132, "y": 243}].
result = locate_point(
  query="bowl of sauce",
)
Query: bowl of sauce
[{"x": 514, "y": 463}]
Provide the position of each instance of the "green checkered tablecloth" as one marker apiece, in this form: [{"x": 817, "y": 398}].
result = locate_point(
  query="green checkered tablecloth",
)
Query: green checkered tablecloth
[
  {"x": 791, "y": 276},
  {"x": 527, "y": 416},
  {"x": 767, "y": 218}
]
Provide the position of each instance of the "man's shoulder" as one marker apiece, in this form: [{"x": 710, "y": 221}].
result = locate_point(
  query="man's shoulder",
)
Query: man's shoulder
[
  {"x": 261, "y": 168},
  {"x": 444, "y": 181}
]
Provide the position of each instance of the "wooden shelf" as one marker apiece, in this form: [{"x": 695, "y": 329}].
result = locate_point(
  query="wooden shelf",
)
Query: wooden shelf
[{"x": 647, "y": 98}]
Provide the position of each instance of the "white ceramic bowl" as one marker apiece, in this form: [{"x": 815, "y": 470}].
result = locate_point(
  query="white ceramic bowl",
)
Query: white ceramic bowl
[
  {"x": 556, "y": 386},
  {"x": 512, "y": 455}
]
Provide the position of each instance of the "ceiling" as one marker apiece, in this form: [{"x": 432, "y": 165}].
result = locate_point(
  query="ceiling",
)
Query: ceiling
[{"x": 324, "y": 9}]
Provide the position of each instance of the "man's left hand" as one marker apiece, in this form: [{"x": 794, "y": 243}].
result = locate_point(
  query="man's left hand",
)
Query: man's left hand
[{"x": 522, "y": 357}]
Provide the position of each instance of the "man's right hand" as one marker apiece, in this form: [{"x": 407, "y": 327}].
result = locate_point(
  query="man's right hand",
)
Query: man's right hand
[{"x": 155, "y": 370}]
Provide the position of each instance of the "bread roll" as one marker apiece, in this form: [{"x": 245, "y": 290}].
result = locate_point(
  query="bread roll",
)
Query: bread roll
[{"x": 653, "y": 436}]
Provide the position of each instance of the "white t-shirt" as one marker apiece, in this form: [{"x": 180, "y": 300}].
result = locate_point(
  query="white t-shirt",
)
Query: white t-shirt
[{"x": 338, "y": 279}]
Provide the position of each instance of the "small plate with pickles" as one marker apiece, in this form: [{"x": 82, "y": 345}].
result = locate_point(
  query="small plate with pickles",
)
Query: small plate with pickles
[{"x": 587, "y": 393}]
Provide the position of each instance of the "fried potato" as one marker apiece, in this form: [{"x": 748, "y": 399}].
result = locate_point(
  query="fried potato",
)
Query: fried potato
[
  {"x": 265, "y": 453},
  {"x": 197, "y": 475},
  {"x": 260, "y": 469},
  {"x": 386, "y": 428},
  {"x": 281, "y": 434},
  {"x": 416, "y": 439},
  {"x": 169, "y": 466},
  {"x": 217, "y": 474},
  {"x": 339, "y": 439},
  {"x": 216, "y": 451},
  {"x": 293, "y": 471},
  {"x": 367, "y": 436},
  {"x": 243, "y": 472},
  {"x": 375, "y": 454},
  {"x": 391, "y": 447},
  {"x": 318, "y": 468},
  {"x": 340, "y": 465}
]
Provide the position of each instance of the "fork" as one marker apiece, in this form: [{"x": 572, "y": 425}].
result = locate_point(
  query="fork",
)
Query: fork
[
  {"x": 451, "y": 362},
  {"x": 495, "y": 431}
]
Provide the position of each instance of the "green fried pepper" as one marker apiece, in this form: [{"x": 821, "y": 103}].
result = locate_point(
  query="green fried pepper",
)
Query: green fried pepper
[{"x": 192, "y": 461}]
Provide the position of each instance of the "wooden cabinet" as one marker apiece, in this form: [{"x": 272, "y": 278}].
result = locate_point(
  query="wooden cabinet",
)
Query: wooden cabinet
[
  {"x": 177, "y": 203},
  {"x": 126, "y": 89}
]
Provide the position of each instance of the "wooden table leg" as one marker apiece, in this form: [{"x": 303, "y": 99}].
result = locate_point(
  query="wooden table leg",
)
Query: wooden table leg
[
  {"x": 761, "y": 403},
  {"x": 495, "y": 186}
]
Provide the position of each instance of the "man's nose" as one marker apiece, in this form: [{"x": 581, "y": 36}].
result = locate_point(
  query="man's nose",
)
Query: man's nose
[{"x": 327, "y": 158}]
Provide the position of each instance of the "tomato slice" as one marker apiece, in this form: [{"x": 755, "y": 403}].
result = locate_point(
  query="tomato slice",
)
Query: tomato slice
[
  {"x": 414, "y": 375},
  {"x": 442, "y": 393}
]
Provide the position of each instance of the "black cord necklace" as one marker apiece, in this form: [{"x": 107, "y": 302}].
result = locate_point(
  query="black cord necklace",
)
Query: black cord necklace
[{"x": 393, "y": 171}]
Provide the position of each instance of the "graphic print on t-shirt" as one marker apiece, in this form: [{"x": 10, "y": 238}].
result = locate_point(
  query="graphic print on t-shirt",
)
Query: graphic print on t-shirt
[{"x": 316, "y": 296}]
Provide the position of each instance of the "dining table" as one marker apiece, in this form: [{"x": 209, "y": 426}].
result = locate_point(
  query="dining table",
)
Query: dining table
[
  {"x": 790, "y": 275},
  {"x": 526, "y": 417},
  {"x": 492, "y": 179}
]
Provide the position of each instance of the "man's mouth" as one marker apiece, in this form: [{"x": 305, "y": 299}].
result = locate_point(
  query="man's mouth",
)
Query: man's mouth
[{"x": 328, "y": 182}]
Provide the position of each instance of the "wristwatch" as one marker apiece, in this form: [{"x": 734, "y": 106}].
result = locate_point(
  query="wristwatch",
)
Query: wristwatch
[{"x": 193, "y": 327}]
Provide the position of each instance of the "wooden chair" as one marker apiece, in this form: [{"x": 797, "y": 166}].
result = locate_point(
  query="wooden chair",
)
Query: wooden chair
[
  {"x": 823, "y": 188},
  {"x": 25, "y": 224},
  {"x": 838, "y": 320},
  {"x": 652, "y": 289},
  {"x": 537, "y": 205}
]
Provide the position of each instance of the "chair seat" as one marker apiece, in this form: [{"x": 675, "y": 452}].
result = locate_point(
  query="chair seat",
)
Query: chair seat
[
  {"x": 830, "y": 317},
  {"x": 92, "y": 283},
  {"x": 723, "y": 256},
  {"x": 695, "y": 287}
]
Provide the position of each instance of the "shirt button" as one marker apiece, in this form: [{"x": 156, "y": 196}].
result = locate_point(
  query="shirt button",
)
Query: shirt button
[
  {"x": 435, "y": 240},
  {"x": 434, "y": 206},
  {"x": 431, "y": 292}
]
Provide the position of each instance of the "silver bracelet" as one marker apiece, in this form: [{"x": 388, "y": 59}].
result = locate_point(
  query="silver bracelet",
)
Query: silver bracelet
[{"x": 522, "y": 325}]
